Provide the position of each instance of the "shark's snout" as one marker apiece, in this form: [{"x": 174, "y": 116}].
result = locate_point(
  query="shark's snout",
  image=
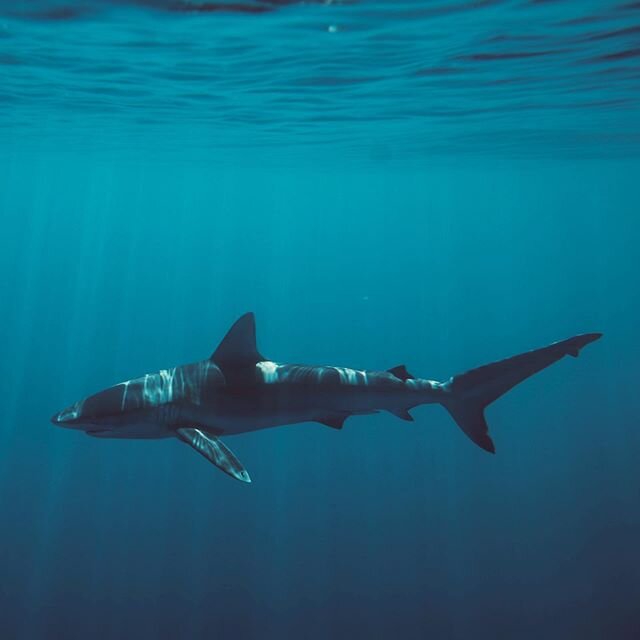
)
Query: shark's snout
[
  {"x": 67, "y": 417},
  {"x": 110, "y": 406}
]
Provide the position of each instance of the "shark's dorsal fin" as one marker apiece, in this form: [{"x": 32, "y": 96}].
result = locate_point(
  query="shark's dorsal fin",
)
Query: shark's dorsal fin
[
  {"x": 238, "y": 348},
  {"x": 401, "y": 372},
  {"x": 214, "y": 451}
]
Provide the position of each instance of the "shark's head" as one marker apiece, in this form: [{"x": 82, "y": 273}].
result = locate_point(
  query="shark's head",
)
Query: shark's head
[
  {"x": 103, "y": 409},
  {"x": 130, "y": 408},
  {"x": 154, "y": 399},
  {"x": 68, "y": 417}
]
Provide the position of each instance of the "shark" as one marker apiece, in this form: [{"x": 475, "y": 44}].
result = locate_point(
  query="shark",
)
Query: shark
[{"x": 237, "y": 390}]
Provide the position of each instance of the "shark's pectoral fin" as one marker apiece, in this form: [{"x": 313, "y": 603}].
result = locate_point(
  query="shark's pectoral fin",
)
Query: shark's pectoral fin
[{"x": 214, "y": 451}]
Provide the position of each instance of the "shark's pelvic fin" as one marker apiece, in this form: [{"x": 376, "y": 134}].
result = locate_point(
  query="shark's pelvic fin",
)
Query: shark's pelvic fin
[
  {"x": 214, "y": 451},
  {"x": 401, "y": 372},
  {"x": 238, "y": 348},
  {"x": 335, "y": 422}
]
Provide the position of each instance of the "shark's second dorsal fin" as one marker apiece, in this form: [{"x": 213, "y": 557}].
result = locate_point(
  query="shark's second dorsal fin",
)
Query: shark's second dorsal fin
[
  {"x": 238, "y": 348},
  {"x": 401, "y": 372}
]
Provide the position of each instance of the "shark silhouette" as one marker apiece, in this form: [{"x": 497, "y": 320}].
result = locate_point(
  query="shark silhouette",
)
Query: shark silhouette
[{"x": 237, "y": 390}]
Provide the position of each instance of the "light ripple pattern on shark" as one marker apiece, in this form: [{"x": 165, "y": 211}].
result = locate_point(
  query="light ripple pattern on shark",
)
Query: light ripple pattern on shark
[{"x": 237, "y": 390}]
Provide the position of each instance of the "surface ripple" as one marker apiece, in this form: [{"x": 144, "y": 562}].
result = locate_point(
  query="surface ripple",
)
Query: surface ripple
[{"x": 370, "y": 77}]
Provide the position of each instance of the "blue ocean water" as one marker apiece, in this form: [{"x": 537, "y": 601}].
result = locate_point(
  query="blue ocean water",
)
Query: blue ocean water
[{"x": 441, "y": 184}]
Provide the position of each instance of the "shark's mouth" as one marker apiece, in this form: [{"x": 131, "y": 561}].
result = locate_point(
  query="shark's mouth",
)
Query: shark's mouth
[{"x": 94, "y": 424}]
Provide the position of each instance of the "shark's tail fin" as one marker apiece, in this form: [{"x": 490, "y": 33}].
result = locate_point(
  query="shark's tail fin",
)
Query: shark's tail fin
[{"x": 467, "y": 394}]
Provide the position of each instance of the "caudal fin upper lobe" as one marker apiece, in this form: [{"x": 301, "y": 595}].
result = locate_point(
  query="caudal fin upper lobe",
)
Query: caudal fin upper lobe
[{"x": 468, "y": 394}]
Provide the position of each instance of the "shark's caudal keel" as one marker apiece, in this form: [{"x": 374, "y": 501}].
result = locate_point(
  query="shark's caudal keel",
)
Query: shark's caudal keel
[{"x": 237, "y": 390}]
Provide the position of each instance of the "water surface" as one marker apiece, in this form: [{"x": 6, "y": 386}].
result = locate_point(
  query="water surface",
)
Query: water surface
[{"x": 362, "y": 78}]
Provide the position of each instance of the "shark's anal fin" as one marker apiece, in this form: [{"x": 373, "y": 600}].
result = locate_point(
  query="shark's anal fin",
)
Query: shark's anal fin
[
  {"x": 214, "y": 451},
  {"x": 401, "y": 372},
  {"x": 403, "y": 414}
]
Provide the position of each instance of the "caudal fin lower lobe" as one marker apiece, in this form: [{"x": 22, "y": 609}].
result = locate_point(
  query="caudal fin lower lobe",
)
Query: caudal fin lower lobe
[{"x": 467, "y": 394}]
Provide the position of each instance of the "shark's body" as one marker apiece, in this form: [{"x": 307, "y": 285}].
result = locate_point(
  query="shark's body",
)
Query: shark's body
[{"x": 237, "y": 390}]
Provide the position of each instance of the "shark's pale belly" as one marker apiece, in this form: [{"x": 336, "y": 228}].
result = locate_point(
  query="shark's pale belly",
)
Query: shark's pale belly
[
  {"x": 235, "y": 424},
  {"x": 143, "y": 431},
  {"x": 209, "y": 421}
]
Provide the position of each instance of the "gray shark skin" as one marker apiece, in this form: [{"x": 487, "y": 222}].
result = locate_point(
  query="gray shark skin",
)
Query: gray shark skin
[{"x": 237, "y": 390}]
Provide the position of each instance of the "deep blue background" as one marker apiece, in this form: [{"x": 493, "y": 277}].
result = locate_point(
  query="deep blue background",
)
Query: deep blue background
[
  {"x": 438, "y": 183},
  {"x": 112, "y": 268}
]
